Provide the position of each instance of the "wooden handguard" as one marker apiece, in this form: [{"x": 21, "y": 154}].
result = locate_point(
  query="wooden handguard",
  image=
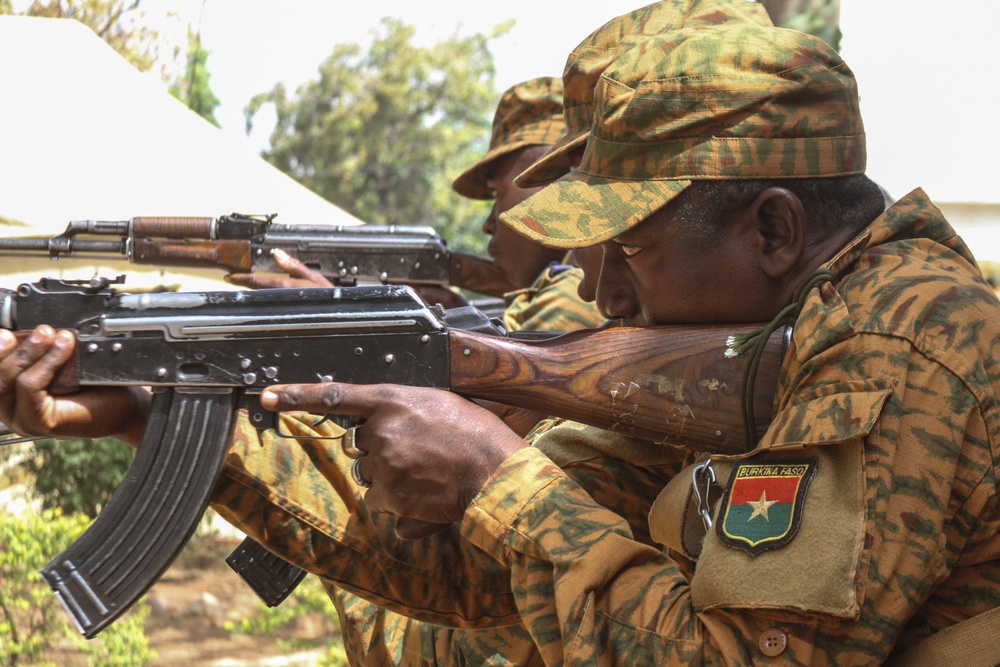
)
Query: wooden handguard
[
  {"x": 172, "y": 227},
  {"x": 232, "y": 255}
]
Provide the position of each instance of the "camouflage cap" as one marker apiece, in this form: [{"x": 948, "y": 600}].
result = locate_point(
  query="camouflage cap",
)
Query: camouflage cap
[
  {"x": 605, "y": 45},
  {"x": 529, "y": 114},
  {"x": 727, "y": 102}
]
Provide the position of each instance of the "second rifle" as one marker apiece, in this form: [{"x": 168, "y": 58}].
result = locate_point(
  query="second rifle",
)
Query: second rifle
[{"x": 345, "y": 254}]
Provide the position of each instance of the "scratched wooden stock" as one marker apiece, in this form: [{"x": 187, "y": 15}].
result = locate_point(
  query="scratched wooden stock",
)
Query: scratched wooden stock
[{"x": 670, "y": 384}]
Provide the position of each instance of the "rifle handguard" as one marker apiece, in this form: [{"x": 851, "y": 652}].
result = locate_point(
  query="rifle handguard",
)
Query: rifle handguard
[{"x": 140, "y": 532}]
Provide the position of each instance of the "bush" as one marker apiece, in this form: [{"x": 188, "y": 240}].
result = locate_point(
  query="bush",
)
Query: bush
[
  {"x": 308, "y": 598},
  {"x": 32, "y": 622},
  {"x": 76, "y": 475}
]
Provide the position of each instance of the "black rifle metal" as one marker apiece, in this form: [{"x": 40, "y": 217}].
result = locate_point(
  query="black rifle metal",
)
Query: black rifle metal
[
  {"x": 206, "y": 354},
  {"x": 273, "y": 578}
]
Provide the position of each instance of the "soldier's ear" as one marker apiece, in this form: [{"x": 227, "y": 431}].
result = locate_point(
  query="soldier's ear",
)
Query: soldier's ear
[{"x": 780, "y": 231}]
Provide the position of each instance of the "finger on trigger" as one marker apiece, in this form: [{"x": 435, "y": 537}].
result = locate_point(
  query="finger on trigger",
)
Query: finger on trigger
[{"x": 323, "y": 398}]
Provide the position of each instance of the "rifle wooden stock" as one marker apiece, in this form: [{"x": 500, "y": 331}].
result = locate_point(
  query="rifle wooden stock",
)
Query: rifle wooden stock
[
  {"x": 669, "y": 384},
  {"x": 231, "y": 255}
]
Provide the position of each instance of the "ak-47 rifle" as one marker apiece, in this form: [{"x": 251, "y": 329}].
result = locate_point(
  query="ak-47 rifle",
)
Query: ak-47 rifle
[
  {"x": 207, "y": 354},
  {"x": 346, "y": 255}
]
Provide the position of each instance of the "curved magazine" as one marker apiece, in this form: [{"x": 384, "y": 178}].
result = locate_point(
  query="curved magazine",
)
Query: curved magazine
[{"x": 152, "y": 513}]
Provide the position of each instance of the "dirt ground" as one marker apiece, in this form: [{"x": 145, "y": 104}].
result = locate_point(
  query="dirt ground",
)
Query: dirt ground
[{"x": 190, "y": 605}]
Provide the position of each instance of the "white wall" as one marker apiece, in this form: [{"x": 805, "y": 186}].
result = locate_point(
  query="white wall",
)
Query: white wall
[{"x": 928, "y": 78}]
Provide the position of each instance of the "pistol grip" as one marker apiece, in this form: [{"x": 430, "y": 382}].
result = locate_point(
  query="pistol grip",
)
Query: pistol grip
[{"x": 151, "y": 514}]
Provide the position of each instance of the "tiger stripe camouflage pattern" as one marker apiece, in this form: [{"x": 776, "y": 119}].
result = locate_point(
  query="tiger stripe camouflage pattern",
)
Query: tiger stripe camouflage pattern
[
  {"x": 589, "y": 59},
  {"x": 908, "y": 327},
  {"x": 685, "y": 106}
]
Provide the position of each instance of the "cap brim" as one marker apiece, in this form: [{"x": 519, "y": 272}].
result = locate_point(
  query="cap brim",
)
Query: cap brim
[
  {"x": 556, "y": 163},
  {"x": 580, "y": 210},
  {"x": 471, "y": 183}
]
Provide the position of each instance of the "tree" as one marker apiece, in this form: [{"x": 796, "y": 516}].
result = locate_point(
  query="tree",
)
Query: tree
[
  {"x": 816, "y": 17},
  {"x": 194, "y": 89},
  {"x": 383, "y": 133},
  {"x": 117, "y": 22},
  {"x": 77, "y": 476}
]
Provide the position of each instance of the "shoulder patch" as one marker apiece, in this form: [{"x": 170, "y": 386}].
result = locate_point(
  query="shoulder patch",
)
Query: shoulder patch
[{"x": 762, "y": 506}]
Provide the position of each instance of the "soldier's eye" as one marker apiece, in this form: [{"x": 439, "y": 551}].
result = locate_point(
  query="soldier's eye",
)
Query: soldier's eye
[{"x": 630, "y": 250}]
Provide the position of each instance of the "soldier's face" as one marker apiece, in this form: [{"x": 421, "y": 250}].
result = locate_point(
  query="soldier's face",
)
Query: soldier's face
[
  {"x": 668, "y": 270},
  {"x": 521, "y": 258}
]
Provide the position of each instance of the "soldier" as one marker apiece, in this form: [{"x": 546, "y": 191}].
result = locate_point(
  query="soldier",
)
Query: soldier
[{"x": 724, "y": 181}]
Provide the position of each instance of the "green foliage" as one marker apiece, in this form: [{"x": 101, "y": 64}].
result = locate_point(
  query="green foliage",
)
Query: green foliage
[
  {"x": 383, "y": 133},
  {"x": 308, "y": 598},
  {"x": 76, "y": 475},
  {"x": 123, "y": 643},
  {"x": 194, "y": 90},
  {"x": 819, "y": 19},
  {"x": 32, "y": 622},
  {"x": 117, "y": 22}
]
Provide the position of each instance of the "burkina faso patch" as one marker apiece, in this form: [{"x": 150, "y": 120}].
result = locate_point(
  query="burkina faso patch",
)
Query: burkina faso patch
[{"x": 762, "y": 506}]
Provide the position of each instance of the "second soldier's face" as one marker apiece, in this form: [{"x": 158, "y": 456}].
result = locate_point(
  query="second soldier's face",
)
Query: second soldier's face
[{"x": 521, "y": 258}]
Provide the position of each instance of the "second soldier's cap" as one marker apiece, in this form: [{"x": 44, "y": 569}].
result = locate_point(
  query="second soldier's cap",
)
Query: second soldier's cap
[{"x": 529, "y": 113}]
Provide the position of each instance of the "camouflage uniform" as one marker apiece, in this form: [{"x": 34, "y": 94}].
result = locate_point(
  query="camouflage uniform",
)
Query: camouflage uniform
[
  {"x": 898, "y": 535},
  {"x": 334, "y": 536},
  {"x": 550, "y": 304},
  {"x": 874, "y": 490},
  {"x": 889, "y": 390}
]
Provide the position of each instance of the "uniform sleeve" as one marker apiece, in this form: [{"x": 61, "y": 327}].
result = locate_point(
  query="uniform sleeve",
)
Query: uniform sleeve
[
  {"x": 590, "y": 593},
  {"x": 296, "y": 497},
  {"x": 551, "y": 304}
]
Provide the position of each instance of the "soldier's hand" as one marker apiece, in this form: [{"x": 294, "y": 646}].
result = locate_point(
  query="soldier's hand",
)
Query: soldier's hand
[
  {"x": 297, "y": 275},
  {"x": 28, "y": 406},
  {"x": 427, "y": 452}
]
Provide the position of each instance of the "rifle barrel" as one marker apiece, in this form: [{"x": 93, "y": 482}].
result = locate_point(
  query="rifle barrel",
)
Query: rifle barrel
[{"x": 58, "y": 245}]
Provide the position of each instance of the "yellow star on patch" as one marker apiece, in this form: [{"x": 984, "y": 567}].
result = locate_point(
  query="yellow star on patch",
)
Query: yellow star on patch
[{"x": 761, "y": 506}]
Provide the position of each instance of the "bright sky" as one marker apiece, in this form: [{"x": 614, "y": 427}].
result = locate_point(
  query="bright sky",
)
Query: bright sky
[
  {"x": 925, "y": 71},
  {"x": 254, "y": 44}
]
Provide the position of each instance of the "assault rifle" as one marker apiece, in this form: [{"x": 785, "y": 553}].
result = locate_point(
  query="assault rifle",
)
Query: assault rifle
[
  {"x": 208, "y": 354},
  {"x": 346, "y": 255}
]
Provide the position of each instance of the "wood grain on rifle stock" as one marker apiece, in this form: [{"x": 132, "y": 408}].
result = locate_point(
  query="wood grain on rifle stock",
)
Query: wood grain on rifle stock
[
  {"x": 228, "y": 254},
  {"x": 672, "y": 384}
]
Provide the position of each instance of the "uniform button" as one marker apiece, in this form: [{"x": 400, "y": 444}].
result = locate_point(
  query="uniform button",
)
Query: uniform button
[{"x": 772, "y": 642}]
